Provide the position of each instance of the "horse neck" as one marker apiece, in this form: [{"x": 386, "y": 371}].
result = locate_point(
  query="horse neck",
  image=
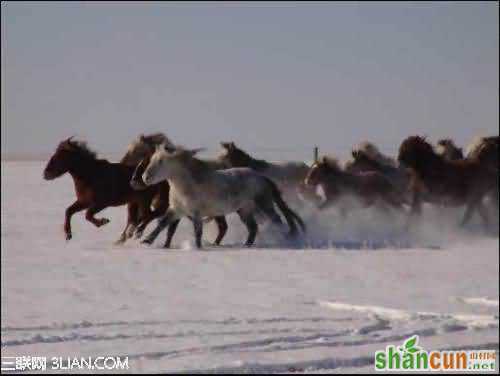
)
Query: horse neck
[
  {"x": 189, "y": 177},
  {"x": 260, "y": 164},
  {"x": 85, "y": 169}
]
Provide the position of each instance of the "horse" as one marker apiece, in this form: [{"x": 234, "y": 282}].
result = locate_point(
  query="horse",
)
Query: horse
[
  {"x": 447, "y": 182},
  {"x": 289, "y": 176},
  {"x": 447, "y": 148},
  {"x": 137, "y": 183},
  {"x": 98, "y": 183},
  {"x": 138, "y": 149},
  {"x": 369, "y": 187},
  {"x": 197, "y": 191}
]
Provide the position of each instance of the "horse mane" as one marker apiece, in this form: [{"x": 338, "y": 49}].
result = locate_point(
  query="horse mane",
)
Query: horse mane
[
  {"x": 79, "y": 147},
  {"x": 445, "y": 146},
  {"x": 488, "y": 151},
  {"x": 256, "y": 164},
  {"x": 372, "y": 151},
  {"x": 360, "y": 154},
  {"x": 198, "y": 167},
  {"x": 420, "y": 153},
  {"x": 144, "y": 145},
  {"x": 156, "y": 139},
  {"x": 478, "y": 143},
  {"x": 331, "y": 162}
]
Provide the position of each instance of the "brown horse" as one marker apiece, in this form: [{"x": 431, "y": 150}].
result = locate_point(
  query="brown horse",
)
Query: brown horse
[
  {"x": 451, "y": 183},
  {"x": 98, "y": 183},
  {"x": 369, "y": 187}
]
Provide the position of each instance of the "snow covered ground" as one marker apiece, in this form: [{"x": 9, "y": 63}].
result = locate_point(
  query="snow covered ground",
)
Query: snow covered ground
[{"x": 356, "y": 286}]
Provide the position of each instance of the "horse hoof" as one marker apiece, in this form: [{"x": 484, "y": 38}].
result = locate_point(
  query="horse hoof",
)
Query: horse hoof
[
  {"x": 68, "y": 237},
  {"x": 147, "y": 241},
  {"x": 104, "y": 221},
  {"x": 138, "y": 234}
]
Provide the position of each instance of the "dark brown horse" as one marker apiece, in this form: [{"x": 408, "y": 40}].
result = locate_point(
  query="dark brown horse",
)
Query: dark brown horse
[
  {"x": 369, "y": 187},
  {"x": 451, "y": 183},
  {"x": 98, "y": 183}
]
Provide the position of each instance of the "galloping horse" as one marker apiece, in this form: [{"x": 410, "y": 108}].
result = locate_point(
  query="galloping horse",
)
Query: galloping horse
[
  {"x": 369, "y": 187},
  {"x": 451, "y": 183},
  {"x": 198, "y": 191},
  {"x": 98, "y": 183}
]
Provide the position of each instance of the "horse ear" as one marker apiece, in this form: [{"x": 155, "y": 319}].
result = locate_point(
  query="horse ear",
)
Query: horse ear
[
  {"x": 142, "y": 138},
  {"x": 227, "y": 145}
]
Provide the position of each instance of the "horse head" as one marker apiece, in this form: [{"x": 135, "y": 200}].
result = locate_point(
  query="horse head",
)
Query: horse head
[{"x": 67, "y": 155}]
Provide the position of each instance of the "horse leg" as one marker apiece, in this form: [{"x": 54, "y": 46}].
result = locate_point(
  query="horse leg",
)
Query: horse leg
[
  {"x": 162, "y": 223},
  {"x": 416, "y": 208},
  {"x": 267, "y": 207},
  {"x": 483, "y": 212},
  {"x": 469, "y": 210},
  {"x": 249, "y": 220},
  {"x": 198, "y": 230},
  {"x": 222, "y": 225},
  {"x": 159, "y": 210},
  {"x": 131, "y": 220},
  {"x": 93, "y": 210},
  {"x": 72, "y": 209},
  {"x": 171, "y": 232}
]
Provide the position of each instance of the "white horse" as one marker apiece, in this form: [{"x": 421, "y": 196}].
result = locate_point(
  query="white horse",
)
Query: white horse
[{"x": 197, "y": 191}]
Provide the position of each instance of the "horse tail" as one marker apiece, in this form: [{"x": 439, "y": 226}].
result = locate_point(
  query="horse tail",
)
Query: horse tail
[{"x": 291, "y": 217}]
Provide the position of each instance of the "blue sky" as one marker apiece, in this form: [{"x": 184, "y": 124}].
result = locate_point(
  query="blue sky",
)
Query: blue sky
[{"x": 265, "y": 75}]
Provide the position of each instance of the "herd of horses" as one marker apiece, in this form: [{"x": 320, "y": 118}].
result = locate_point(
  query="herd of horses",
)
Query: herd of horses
[{"x": 158, "y": 180}]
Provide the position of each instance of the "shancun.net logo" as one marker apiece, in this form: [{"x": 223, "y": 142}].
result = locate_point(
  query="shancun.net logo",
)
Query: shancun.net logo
[{"x": 411, "y": 357}]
